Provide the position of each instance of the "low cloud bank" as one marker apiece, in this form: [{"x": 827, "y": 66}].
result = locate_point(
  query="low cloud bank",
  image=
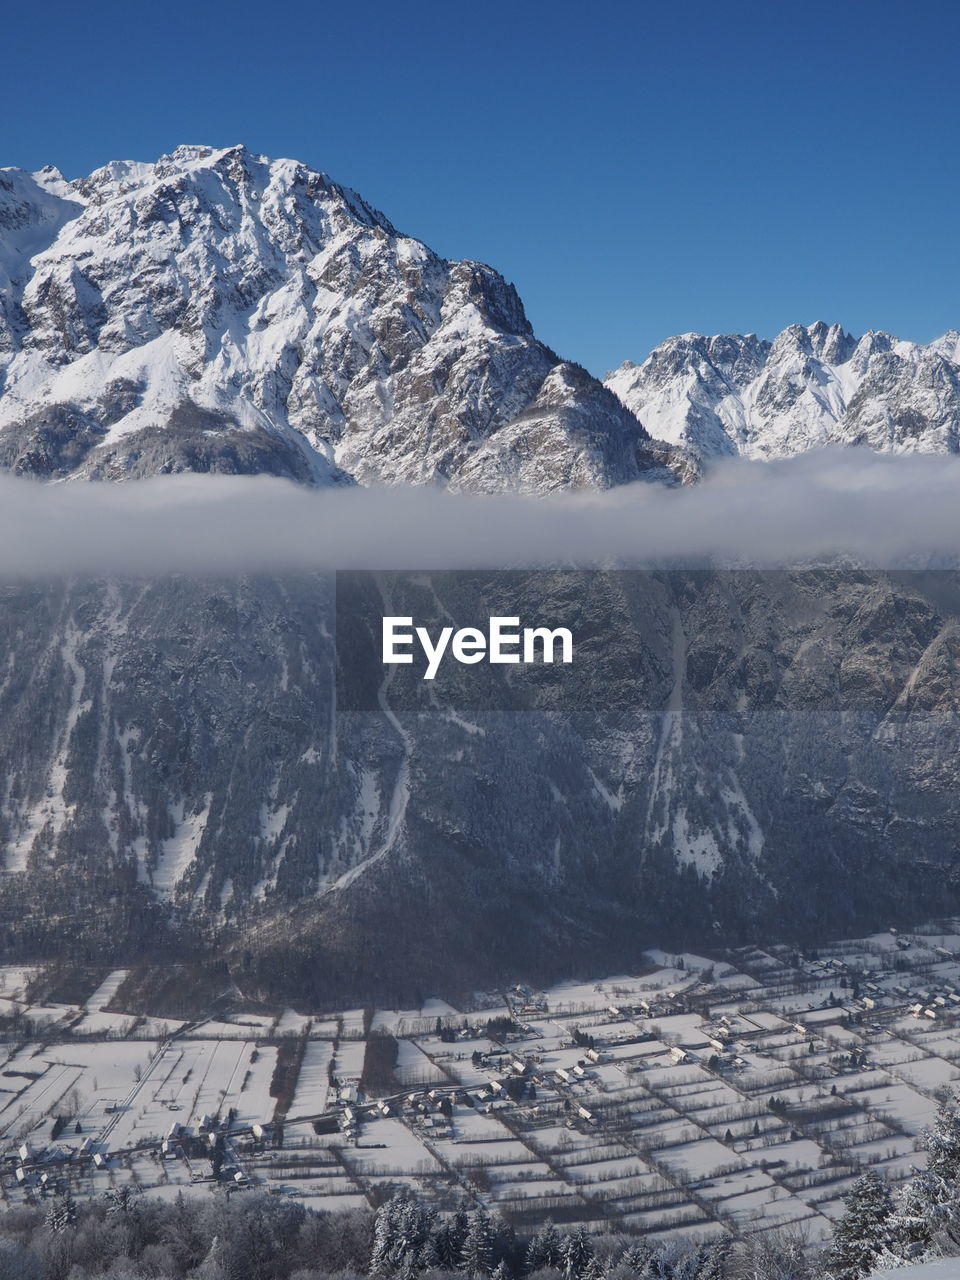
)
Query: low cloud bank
[{"x": 868, "y": 509}]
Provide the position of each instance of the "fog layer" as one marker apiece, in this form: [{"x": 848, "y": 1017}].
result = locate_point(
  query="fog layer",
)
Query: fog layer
[{"x": 884, "y": 511}]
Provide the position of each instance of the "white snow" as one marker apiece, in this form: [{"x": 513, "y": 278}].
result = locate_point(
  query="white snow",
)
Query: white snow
[
  {"x": 107, "y": 990},
  {"x": 942, "y": 1269},
  {"x": 614, "y": 802},
  {"x": 399, "y": 797},
  {"x": 51, "y": 813},
  {"x": 180, "y": 849},
  {"x": 797, "y": 393}
]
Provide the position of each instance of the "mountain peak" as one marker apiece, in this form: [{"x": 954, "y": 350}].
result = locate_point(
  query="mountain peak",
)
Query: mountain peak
[
  {"x": 221, "y": 311},
  {"x": 190, "y": 153},
  {"x": 812, "y": 385}
]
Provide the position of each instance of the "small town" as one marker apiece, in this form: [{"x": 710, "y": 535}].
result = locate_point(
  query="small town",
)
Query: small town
[{"x": 746, "y": 1093}]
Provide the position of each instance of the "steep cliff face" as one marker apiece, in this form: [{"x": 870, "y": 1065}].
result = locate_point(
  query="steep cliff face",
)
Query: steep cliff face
[
  {"x": 778, "y": 756},
  {"x": 734, "y": 394},
  {"x": 760, "y": 753},
  {"x": 218, "y": 311}
]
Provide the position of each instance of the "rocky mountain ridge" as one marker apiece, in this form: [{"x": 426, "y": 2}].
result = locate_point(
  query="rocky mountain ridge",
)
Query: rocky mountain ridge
[
  {"x": 219, "y": 311},
  {"x": 737, "y": 394}
]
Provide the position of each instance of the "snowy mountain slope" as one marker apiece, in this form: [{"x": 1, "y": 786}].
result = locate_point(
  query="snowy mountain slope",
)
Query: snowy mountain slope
[
  {"x": 780, "y": 763},
  {"x": 737, "y": 394},
  {"x": 33, "y": 209},
  {"x": 779, "y": 758},
  {"x": 220, "y": 311}
]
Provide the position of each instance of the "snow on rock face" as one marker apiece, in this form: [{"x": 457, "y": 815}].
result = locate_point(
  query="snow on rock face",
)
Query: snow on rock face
[
  {"x": 219, "y": 311},
  {"x": 32, "y": 212},
  {"x": 817, "y": 385}
]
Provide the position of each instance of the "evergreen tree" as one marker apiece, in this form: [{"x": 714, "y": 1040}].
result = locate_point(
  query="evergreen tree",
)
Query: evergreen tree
[
  {"x": 535, "y": 1259},
  {"x": 943, "y": 1145},
  {"x": 915, "y": 1217},
  {"x": 595, "y": 1269},
  {"x": 120, "y": 1200},
  {"x": 927, "y": 1211},
  {"x": 413, "y": 1226},
  {"x": 545, "y": 1248},
  {"x": 689, "y": 1266},
  {"x": 386, "y": 1234},
  {"x": 577, "y": 1254},
  {"x": 459, "y": 1226},
  {"x": 659, "y": 1267},
  {"x": 637, "y": 1257},
  {"x": 477, "y": 1258},
  {"x": 62, "y": 1214},
  {"x": 864, "y": 1229},
  {"x": 443, "y": 1250},
  {"x": 407, "y": 1268},
  {"x": 713, "y": 1260}
]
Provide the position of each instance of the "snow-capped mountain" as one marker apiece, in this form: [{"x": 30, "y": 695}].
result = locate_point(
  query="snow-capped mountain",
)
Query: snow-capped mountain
[
  {"x": 218, "y": 311},
  {"x": 737, "y": 394},
  {"x": 175, "y": 770}
]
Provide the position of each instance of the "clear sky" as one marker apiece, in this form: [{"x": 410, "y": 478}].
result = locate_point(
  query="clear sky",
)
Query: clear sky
[{"x": 637, "y": 169}]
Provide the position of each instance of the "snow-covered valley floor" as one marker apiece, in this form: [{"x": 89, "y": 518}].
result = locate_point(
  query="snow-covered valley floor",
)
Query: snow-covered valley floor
[{"x": 748, "y": 1090}]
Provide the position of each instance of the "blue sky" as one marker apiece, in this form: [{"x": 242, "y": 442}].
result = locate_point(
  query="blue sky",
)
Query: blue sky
[{"x": 637, "y": 169}]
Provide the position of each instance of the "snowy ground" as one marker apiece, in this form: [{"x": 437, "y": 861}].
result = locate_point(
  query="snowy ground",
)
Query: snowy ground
[
  {"x": 944, "y": 1269},
  {"x": 751, "y": 1088}
]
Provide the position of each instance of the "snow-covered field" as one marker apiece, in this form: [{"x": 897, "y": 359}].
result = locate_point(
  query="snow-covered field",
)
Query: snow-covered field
[{"x": 750, "y": 1089}]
